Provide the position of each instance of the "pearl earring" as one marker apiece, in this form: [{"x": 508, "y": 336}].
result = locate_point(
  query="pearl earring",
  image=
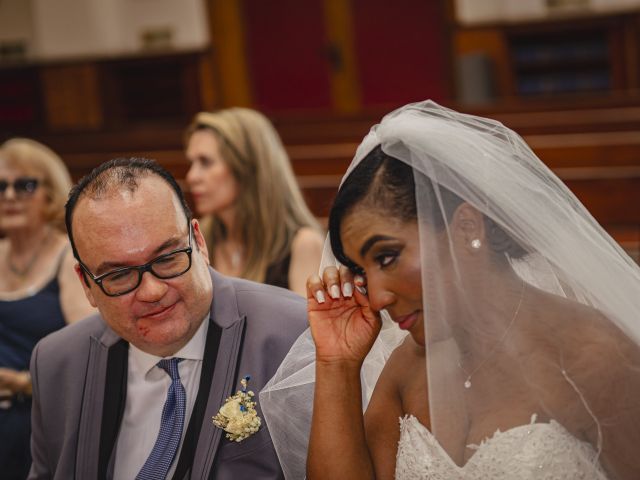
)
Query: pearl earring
[{"x": 475, "y": 243}]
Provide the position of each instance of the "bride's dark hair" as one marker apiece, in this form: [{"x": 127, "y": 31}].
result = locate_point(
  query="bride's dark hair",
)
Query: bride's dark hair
[{"x": 386, "y": 184}]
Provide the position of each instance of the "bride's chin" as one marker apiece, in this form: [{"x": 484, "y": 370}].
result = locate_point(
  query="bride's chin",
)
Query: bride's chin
[{"x": 418, "y": 336}]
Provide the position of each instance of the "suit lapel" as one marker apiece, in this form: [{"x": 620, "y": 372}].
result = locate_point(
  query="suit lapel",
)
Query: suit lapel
[
  {"x": 115, "y": 394},
  {"x": 89, "y": 429},
  {"x": 214, "y": 333},
  {"x": 226, "y": 315}
]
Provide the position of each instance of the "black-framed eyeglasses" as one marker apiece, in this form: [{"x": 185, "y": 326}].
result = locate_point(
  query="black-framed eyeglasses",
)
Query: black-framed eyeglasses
[
  {"x": 126, "y": 279},
  {"x": 22, "y": 186}
]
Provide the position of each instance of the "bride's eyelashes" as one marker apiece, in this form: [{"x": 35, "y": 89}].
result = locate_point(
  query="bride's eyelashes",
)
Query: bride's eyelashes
[{"x": 387, "y": 258}]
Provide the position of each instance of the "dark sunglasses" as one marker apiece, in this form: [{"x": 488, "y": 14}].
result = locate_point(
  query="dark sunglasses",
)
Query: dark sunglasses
[{"x": 22, "y": 186}]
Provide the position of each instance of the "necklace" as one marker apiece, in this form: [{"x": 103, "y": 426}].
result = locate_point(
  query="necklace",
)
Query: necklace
[
  {"x": 234, "y": 256},
  {"x": 467, "y": 382},
  {"x": 22, "y": 272}
]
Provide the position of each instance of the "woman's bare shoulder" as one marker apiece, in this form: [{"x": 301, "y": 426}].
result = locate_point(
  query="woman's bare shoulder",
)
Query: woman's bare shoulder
[
  {"x": 408, "y": 353},
  {"x": 589, "y": 340},
  {"x": 306, "y": 253},
  {"x": 405, "y": 358},
  {"x": 307, "y": 238}
]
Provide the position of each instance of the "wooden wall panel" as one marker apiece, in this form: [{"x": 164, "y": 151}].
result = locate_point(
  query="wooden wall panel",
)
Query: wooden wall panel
[
  {"x": 72, "y": 97},
  {"x": 20, "y": 101},
  {"x": 229, "y": 52}
]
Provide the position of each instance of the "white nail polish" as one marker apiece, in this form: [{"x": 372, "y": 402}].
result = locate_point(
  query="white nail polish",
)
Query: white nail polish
[
  {"x": 335, "y": 291},
  {"x": 320, "y": 296},
  {"x": 358, "y": 280},
  {"x": 347, "y": 289},
  {"x": 362, "y": 290}
]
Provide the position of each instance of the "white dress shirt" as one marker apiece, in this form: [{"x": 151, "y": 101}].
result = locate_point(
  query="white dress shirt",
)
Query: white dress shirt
[{"x": 147, "y": 386}]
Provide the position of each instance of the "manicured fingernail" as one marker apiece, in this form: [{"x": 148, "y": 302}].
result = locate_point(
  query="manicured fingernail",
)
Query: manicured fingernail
[
  {"x": 320, "y": 296},
  {"x": 358, "y": 280},
  {"x": 362, "y": 290},
  {"x": 347, "y": 289},
  {"x": 334, "y": 291}
]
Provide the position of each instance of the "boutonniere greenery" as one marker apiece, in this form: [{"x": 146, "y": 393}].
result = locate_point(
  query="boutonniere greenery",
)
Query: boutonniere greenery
[{"x": 238, "y": 416}]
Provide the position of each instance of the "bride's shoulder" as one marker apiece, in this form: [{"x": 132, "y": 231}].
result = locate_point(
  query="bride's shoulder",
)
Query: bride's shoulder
[
  {"x": 407, "y": 356},
  {"x": 573, "y": 325},
  {"x": 405, "y": 373},
  {"x": 593, "y": 346}
]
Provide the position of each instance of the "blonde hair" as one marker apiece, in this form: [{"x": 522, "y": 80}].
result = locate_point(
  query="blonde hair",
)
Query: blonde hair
[
  {"x": 270, "y": 207},
  {"x": 36, "y": 158}
]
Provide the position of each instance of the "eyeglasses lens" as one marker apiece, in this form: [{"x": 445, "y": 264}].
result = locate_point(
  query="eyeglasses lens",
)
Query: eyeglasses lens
[{"x": 166, "y": 266}]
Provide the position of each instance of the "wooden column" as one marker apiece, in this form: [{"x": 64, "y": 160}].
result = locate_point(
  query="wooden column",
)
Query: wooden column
[
  {"x": 229, "y": 52},
  {"x": 344, "y": 77}
]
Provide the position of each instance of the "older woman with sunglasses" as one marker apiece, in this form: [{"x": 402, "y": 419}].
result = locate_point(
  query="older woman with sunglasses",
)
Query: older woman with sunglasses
[{"x": 39, "y": 292}]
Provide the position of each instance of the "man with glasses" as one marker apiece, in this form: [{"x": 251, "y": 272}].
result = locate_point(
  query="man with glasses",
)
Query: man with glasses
[{"x": 131, "y": 392}]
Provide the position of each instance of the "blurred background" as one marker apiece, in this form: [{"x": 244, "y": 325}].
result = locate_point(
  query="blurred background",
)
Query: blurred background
[{"x": 97, "y": 79}]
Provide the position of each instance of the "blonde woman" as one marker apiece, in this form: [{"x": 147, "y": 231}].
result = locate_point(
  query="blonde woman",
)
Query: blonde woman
[
  {"x": 255, "y": 220},
  {"x": 39, "y": 291}
]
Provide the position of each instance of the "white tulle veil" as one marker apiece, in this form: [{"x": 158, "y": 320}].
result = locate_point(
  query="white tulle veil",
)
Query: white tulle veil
[{"x": 554, "y": 318}]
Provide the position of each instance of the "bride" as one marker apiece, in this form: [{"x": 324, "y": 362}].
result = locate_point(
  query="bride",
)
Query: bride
[{"x": 522, "y": 358}]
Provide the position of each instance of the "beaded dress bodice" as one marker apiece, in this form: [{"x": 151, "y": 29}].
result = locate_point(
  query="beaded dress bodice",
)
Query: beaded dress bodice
[{"x": 535, "y": 451}]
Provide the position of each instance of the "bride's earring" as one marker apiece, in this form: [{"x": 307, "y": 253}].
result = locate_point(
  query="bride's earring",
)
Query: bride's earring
[{"x": 476, "y": 243}]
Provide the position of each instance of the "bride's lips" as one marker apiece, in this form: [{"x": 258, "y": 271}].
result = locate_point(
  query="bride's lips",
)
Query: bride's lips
[
  {"x": 160, "y": 314},
  {"x": 407, "y": 321}
]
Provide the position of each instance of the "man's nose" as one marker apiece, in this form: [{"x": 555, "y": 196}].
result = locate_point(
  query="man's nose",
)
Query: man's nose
[{"x": 151, "y": 288}]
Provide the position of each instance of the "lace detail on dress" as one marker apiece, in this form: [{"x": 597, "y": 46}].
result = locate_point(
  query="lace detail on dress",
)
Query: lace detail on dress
[{"x": 540, "y": 451}]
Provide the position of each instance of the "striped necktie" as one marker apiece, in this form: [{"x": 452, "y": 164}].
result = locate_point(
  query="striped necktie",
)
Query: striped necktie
[{"x": 164, "y": 450}]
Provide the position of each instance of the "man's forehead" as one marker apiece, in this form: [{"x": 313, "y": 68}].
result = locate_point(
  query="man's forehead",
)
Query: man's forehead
[
  {"x": 152, "y": 202},
  {"x": 148, "y": 191}
]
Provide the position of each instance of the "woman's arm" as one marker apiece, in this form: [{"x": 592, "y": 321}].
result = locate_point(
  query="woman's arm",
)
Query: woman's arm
[
  {"x": 73, "y": 301},
  {"x": 337, "y": 446},
  {"x": 306, "y": 252}
]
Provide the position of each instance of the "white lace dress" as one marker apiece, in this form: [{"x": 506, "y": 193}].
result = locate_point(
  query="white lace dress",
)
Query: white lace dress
[{"x": 535, "y": 451}]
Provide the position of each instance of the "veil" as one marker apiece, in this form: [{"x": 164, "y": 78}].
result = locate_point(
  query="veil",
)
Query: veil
[{"x": 532, "y": 320}]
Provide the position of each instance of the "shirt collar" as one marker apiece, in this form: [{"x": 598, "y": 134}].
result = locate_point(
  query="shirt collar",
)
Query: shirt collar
[{"x": 193, "y": 350}]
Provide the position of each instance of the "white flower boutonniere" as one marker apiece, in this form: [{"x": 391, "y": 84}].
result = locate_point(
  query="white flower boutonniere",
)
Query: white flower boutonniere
[{"x": 238, "y": 416}]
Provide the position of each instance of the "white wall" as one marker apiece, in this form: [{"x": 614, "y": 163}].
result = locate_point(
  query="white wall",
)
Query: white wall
[
  {"x": 186, "y": 18},
  {"x": 71, "y": 28},
  {"x": 96, "y": 28},
  {"x": 488, "y": 11},
  {"x": 15, "y": 20}
]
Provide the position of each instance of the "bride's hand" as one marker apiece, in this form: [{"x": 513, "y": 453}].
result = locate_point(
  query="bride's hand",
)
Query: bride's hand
[{"x": 342, "y": 323}]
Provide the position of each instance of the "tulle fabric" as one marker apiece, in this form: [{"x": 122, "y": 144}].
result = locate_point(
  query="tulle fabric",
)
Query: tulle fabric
[{"x": 543, "y": 318}]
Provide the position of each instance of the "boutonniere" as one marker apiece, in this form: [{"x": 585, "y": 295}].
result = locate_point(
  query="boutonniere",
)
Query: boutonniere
[{"x": 238, "y": 416}]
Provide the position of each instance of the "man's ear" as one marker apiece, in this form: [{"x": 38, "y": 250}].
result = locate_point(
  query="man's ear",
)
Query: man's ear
[
  {"x": 201, "y": 244},
  {"x": 84, "y": 280},
  {"x": 468, "y": 226}
]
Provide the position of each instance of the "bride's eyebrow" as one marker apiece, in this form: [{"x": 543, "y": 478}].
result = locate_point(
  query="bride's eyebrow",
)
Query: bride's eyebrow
[{"x": 371, "y": 241}]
